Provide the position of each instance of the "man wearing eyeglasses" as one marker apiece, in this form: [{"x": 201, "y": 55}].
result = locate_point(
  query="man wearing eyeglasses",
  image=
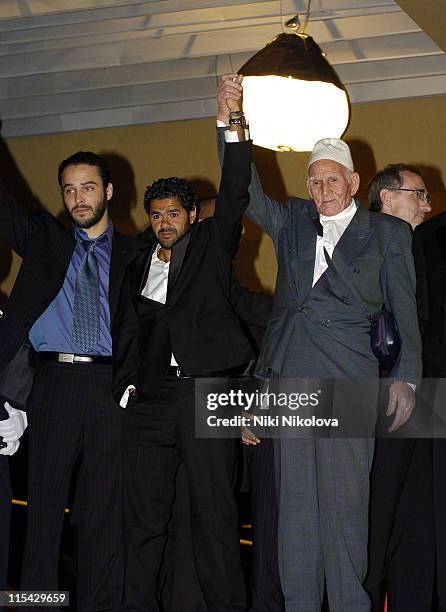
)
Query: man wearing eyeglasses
[
  {"x": 401, "y": 538},
  {"x": 399, "y": 190}
]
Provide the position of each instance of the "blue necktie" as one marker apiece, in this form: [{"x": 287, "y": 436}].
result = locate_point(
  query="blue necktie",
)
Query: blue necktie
[{"x": 86, "y": 301}]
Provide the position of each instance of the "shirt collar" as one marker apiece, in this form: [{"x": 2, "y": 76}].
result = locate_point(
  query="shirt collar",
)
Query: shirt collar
[
  {"x": 344, "y": 215},
  {"x": 81, "y": 235},
  {"x": 156, "y": 259}
]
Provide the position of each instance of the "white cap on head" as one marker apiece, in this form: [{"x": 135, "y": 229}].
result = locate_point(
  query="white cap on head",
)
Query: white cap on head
[{"x": 332, "y": 148}]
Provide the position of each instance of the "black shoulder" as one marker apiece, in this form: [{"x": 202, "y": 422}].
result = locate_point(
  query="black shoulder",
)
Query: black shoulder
[{"x": 432, "y": 225}]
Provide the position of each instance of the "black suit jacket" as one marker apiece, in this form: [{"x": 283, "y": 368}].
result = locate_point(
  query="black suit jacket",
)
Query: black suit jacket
[
  {"x": 429, "y": 245},
  {"x": 197, "y": 323},
  {"x": 46, "y": 248}
]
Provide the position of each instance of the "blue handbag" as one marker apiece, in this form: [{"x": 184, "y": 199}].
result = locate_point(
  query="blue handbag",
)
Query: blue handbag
[{"x": 385, "y": 340}]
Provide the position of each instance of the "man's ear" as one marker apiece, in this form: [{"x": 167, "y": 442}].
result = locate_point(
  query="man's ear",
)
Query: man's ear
[
  {"x": 192, "y": 214},
  {"x": 386, "y": 198},
  {"x": 355, "y": 183},
  {"x": 109, "y": 191}
]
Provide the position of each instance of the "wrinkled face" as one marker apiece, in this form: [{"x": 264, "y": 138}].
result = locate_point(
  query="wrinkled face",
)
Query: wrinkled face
[
  {"x": 170, "y": 221},
  {"x": 406, "y": 204},
  {"x": 331, "y": 186},
  {"x": 83, "y": 194}
]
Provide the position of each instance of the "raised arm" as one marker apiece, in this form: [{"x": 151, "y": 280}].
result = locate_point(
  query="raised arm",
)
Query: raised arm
[
  {"x": 233, "y": 195},
  {"x": 266, "y": 212}
]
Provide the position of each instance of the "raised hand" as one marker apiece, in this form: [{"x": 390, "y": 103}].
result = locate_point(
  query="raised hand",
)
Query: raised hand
[{"x": 229, "y": 96}]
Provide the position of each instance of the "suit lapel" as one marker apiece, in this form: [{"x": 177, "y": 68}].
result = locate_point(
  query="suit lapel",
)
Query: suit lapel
[
  {"x": 355, "y": 238},
  {"x": 306, "y": 250},
  {"x": 176, "y": 262},
  {"x": 124, "y": 250}
]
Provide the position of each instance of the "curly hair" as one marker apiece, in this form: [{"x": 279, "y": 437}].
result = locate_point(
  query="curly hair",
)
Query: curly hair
[{"x": 172, "y": 187}]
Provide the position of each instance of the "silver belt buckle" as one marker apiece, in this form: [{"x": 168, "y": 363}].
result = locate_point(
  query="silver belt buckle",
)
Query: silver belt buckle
[
  {"x": 83, "y": 359},
  {"x": 181, "y": 374},
  {"x": 65, "y": 358}
]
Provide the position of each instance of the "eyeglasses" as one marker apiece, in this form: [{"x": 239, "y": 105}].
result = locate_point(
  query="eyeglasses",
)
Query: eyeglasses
[{"x": 420, "y": 194}]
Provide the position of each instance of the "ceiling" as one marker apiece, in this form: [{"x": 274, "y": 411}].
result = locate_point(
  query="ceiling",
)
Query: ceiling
[{"x": 83, "y": 64}]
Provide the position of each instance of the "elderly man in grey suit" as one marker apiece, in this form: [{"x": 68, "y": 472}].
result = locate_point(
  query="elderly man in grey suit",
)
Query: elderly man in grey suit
[{"x": 337, "y": 262}]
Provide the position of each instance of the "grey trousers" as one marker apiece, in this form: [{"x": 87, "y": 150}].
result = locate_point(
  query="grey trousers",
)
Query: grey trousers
[{"x": 323, "y": 488}]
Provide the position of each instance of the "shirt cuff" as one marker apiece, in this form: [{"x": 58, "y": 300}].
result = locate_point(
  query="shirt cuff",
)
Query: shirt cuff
[
  {"x": 125, "y": 397},
  {"x": 414, "y": 387},
  {"x": 232, "y": 136}
]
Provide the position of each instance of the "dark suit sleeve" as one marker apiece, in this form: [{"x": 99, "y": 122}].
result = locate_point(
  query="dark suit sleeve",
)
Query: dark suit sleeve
[
  {"x": 252, "y": 307},
  {"x": 15, "y": 226},
  {"x": 398, "y": 277},
  {"x": 422, "y": 288},
  {"x": 266, "y": 212},
  {"x": 126, "y": 337},
  {"x": 233, "y": 195}
]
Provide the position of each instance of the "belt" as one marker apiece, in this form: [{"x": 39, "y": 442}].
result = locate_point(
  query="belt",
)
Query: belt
[
  {"x": 234, "y": 372},
  {"x": 177, "y": 372},
  {"x": 71, "y": 358}
]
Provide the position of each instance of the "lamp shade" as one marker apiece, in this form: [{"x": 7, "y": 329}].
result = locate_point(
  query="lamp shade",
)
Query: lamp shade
[{"x": 292, "y": 97}]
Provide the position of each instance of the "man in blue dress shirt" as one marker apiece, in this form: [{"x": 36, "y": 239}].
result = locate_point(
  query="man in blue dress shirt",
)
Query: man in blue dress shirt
[{"x": 63, "y": 301}]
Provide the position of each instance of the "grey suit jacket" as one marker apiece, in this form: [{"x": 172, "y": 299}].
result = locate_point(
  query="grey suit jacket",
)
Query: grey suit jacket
[{"x": 323, "y": 331}]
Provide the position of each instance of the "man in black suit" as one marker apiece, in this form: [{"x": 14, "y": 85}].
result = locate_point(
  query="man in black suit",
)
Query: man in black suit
[
  {"x": 430, "y": 264},
  {"x": 180, "y": 589},
  {"x": 64, "y": 301},
  {"x": 176, "y": 323},
  {"x": 401, "y": 539}
]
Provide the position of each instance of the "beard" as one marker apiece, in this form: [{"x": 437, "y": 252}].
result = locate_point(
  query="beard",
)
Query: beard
[{"x": 96, "y": 213}]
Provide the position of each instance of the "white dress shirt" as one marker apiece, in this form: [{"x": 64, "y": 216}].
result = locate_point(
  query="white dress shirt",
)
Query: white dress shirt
[
  {"x": 156, "y": 285},
  {"x": 333, "y": 227}
]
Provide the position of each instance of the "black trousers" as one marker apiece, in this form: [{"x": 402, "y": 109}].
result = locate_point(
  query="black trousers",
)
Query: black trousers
[
  {"x": 180, "y": 588},
  {"x": 439, "y": 467},
  {"x": 73, "y": 418},
  {"x": 401, "y": 536},
  {"x": 158, "y": 436},
  {"x": 5, "y": 515},
  {"x": 267, "y": 593}
]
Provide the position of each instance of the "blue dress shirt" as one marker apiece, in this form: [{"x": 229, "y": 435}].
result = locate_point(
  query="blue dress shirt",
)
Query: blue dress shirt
[{"x": 53, "y": 329}]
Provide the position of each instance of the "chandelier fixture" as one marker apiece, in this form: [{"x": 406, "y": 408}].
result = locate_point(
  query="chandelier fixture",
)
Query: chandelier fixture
[{"x": 292, "y": 96}]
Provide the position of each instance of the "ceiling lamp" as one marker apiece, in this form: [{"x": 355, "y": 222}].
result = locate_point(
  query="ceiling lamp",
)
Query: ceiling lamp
[{"x": 292, "y": 97}]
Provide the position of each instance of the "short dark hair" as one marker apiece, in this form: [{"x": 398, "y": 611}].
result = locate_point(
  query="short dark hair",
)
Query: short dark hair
[
  {"x": 389, "y": 178},
  {"x": 172, "y": 187},
  {"x": 89, "y": 159}
]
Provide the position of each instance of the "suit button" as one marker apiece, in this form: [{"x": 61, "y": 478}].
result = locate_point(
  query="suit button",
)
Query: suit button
[
  {"x": 300, "y": 309},
  {"x": 356, "y": 270},
  {"x": 327, "y": 322},
  {"x": 345, "y": 299}
]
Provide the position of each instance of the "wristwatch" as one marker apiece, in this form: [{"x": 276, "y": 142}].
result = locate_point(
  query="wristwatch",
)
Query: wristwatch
[{"x": 237, "y": 118}]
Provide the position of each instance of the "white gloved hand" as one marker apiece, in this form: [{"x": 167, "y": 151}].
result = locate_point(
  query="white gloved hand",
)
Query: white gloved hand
[
  {"x": 10, "y": 448},
  {"x": 12, "y": 429}
]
